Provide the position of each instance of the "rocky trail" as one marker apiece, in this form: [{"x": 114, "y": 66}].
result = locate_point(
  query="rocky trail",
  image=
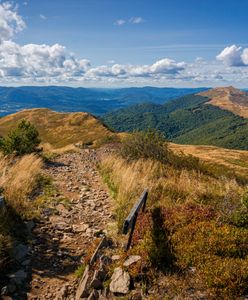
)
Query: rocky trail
[{"x": 63, "y": 236}]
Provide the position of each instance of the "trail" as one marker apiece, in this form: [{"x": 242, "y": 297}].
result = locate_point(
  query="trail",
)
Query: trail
[{"x": 63, "y": 236}]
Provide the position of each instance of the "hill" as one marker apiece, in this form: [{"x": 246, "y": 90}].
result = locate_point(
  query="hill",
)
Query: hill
[
  {"x": 95, "y": 101},
  {"x": 230, "y": 99},
  {"x": 58, "y": 130},
  {"x": 189, "y": 119}
]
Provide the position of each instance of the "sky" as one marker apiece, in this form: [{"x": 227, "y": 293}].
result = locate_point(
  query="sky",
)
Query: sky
[{"x": 114, "y": 43}]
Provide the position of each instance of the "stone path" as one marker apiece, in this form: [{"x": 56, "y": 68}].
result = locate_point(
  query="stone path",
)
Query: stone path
[{"x": 61, "y": 239}]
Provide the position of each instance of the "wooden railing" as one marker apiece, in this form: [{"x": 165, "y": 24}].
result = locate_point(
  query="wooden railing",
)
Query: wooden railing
[{"x": 130, "y": 221}]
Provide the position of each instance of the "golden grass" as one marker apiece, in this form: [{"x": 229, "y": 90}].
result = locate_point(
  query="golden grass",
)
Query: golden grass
[
  {"x": 230, "y": 99},
  {"x": 59, "y": 130},
  {"x": 236, "y": 160},
  {"x": 187, "y": 203},
  {"x": 18, "y": 177},
  {"x": 167, "y": 185}
]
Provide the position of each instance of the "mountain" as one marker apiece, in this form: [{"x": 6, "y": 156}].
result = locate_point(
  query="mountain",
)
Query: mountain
[
  {"x": 58, "y": 130},
  {"x": 230, "y": 99},
  {"x": 192, "y": 119},
  {"x": 95, "y": 101}
]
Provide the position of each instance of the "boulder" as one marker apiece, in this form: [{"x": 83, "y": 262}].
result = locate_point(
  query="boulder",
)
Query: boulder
[{"x": 120, "y": 281}]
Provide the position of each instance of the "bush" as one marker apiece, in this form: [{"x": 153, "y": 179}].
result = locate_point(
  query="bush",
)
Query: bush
[
  {"x": 149, "y": 144},
  {"x": 22, "y": 140}
]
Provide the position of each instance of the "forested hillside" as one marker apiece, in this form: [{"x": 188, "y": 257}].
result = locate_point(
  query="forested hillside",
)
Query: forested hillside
[{"x": 188, "y": 120}]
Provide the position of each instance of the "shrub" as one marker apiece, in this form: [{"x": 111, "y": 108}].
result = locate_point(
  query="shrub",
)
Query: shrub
[
  {"x": 147, "y": 145},
  {"x": 24, "y": 139}
]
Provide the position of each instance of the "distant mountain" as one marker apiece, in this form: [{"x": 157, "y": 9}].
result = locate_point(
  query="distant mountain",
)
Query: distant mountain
[
  {"x": 95, "y": 101},
  {"x": 191, "y": 119},
  {"x": 230, "y": 99}
]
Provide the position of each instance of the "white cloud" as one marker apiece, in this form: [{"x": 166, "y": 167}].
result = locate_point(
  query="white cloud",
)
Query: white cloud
[
  {"x": 234, "y": 56},
  {"x": 43, "y": 17},
  {"x": 120, "y": 22},
  {"x": 10, "y": 21},
  {"x": 162, "y": 67},
  {"x": 133, "y": 20},
  {"x": 27, "y": 64},
  {"x": 39, "y": 61},
  {"x": 136, "y": 20}
]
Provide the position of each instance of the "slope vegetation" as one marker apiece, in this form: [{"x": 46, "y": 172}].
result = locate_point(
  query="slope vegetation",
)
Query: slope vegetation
[
  {"x": 188, "y": 120},
  {"x": 58, "y": 130}
]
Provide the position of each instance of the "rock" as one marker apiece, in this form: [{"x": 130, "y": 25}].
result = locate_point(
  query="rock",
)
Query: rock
[
  {"x": 131, "y": 260},
  {"x": 20, "y": 252},
  {"x": 116, "y": 257},
  {"x": 4, "y": 291},
  {"x": 80, "y": 228},
  {"x": 61, "y": 208},
  {"x": 120, "y": 281},
  {"x": 62, "y": 294}
]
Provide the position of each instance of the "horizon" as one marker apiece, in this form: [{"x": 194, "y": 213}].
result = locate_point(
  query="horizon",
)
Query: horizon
[{"x": 116, "y": 44}]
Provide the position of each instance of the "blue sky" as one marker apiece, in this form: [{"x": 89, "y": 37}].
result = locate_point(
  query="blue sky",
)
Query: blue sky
[{"x": 123, "y": 42}]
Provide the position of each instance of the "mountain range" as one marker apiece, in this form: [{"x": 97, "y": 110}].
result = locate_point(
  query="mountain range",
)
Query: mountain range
[
  {"x": 94, "y": 101},
  {"x": 214, "y": 117}
]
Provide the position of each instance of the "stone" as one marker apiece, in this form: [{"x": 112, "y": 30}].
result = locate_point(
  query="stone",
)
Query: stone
[
  {"x": 80, "y": 228},
  {"x": 62, "y": 294},
  {"x": 131, "y": 260},
  {"x": 4, "y": 291},
  {"x": 120, "y": 281},
  {"x": 61, "y": 208},
  {"x": 116, "y": 257}
]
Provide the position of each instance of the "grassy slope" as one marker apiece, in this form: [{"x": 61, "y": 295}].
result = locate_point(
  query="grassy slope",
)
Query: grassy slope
[
  {"x": 236, "y": 160},
  {"x": 59, "y": 129},
  {"x": 188, "y": 224},
  {"x": 188, "y": 120}
]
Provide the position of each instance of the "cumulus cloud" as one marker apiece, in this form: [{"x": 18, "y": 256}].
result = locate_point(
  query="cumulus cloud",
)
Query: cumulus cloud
[
  {"x": 10, "y": 21},
  {"x": 36, "y": 61},
  {"x": 234, "y": 56},
  {"x": 162, "y": 67},
  {"x": 26, "y": 64}
]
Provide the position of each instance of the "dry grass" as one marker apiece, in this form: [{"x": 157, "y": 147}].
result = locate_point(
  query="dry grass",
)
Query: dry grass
[
  {"x": 236, "y": 160},
  {"x": 230, "y": 99},
  {"x": 18, "y": 178},
  {"x": 188, "y": 223},
  {"x": 167, "y": 185},
  {"x": 59, "y": 130}
]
